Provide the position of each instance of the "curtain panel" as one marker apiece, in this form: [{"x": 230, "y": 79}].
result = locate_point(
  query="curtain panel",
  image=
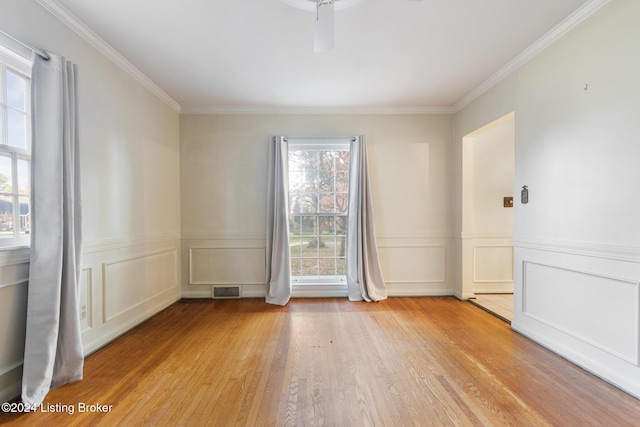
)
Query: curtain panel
[
  {"x": 278, "y": 252},
  {"x": 364, "y": 277},
  {"x": 53, "y": 353}
]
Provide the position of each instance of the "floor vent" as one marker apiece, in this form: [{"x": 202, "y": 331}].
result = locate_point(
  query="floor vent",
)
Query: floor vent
[{"x": 225, "y": 292}]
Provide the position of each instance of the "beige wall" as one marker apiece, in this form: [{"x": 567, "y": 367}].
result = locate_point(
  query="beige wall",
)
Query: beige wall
[
  {"x": 577, "y": 247},
  {"x": 130, "y": 177},
  {"x": 223, "y": 173},
  {"x": 150, "y": 175},
  {"x": 487, "y": 176}
]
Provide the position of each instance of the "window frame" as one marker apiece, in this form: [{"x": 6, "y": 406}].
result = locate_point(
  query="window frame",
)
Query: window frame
[
  {"x": 20, "y": 66},
  {"x": 342, "y": 144}
]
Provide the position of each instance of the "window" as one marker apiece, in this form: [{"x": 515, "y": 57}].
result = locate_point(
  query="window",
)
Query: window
[
  {"x": 318, "y": 197},
  {"x": 15, "y": 148}
]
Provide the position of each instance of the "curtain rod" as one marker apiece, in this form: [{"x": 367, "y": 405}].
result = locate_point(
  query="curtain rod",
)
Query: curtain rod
[{"x": 41, "y": 53}]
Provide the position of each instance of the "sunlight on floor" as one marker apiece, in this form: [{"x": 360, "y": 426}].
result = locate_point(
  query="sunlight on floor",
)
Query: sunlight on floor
[{"x": 500, "y": 305}]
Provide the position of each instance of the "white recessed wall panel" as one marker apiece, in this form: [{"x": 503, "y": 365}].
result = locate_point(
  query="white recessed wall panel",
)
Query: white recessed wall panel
[
  {"x": 493, "y": 264},
  {"x": 597, "y": 309},
  {"x": 130, "y": 282},
  {"x": 413, "y": 264},
  {"x": 13, "y": 303},
  {"x": 227, "y": 265}
]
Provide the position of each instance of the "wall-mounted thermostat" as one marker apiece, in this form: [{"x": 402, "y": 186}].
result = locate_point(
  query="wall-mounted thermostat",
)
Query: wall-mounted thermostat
[{"x": 524, "y": 195}]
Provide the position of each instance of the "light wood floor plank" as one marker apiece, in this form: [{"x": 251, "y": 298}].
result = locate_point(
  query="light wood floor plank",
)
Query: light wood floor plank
[{"x": 331, "y": 362}]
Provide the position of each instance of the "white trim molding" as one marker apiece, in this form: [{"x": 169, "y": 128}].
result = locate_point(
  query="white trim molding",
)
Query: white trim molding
[
  {"x": 204, "y": 235},
  {"x": 66, "y": 17},
  {"x": 92, "y": 246},
  {"x": 382, "y": 110},
  {"x": 591, "y": 249},
  {"x": 634, "y": 284},
  {"x": 581, "y": 14}
]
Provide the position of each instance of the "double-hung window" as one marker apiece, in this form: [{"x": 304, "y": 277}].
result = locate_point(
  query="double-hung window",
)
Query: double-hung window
[
  {"x": 15, "y": 148},
  {"x": 318, "y": 197}
]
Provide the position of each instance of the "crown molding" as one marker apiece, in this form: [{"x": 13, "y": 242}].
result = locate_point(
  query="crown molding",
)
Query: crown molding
[
  {"x": 66, "y": 17},
  {"x": 214, "y": 110},
  {"x": 545, "y": 41},
  {"x": 581, "y": 14}
]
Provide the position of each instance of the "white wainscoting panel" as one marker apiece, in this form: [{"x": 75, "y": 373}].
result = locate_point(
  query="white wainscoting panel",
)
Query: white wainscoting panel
[
  {"x": 413, "y": 264},
  {"x": 131, "y": 282},
  {"x": 582, "y": 300},
  {"x": 493, "y": 264},
  {"x": 597, "y": 309},
  {"x": 487, "y": 263},
  {"x": 13, "y": 303},
  {"x": 415, "y": 267},
  {"x": 14, "y": 280},
  {"x": 228, "y": 265}
]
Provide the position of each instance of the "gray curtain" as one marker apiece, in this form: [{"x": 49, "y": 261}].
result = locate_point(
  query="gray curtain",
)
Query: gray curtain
[
  {"x": 53, "y": 349},
  {"x": 278, "y": 280},
  {"x": 364, "y": 278}
]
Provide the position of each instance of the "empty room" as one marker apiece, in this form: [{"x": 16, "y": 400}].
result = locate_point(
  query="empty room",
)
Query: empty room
[{"x": 319, "y": 212}]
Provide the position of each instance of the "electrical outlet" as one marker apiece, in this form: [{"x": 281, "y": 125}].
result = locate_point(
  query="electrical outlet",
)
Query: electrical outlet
[
  {"x": 507, "y": 202},
  {"x": 83, "y": 312}
]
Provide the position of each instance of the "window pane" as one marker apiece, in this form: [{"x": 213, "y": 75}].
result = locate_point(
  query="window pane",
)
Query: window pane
[
  {"x": 309, "y": 247},
  {"x": 326, "y": 160},
  {"x": 294, "y": 226},
  {"x": 314, "y": 176},
  {"x": 309, "y": 267},
  {"x": 326, "y": 225},
  {"x": 295, "y": 246},
  {"x": 342, "y": 202},
  {"x": 6, "y": 216},
  {"x": 327, "y": 247},
  {"x": 16, "y": 91},
  {"x": 342, "y": 161},
  {"x": 6, "y": 185},
  {"x": 327, "y": 267},
  {"x": 17, "y": 129},
  {"x": 341, "y": 267},
  {"x": 308, "y": 225},
  {"x": 296, "y": 266},
  {"x": 24, "y": 176},
  {"x": 341, "y": 226},
  {"x": 326, "y": 202},
  {"x": 25, "y": 215},
  {"x": 342, "y": 181},
  {"x": 309, "y": 204},
  {"x": 341, "y": 249}
]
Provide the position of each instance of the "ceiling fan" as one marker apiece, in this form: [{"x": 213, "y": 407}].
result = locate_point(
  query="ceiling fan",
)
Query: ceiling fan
[
  {"x": 323, "y": 39},
  {"x": 324, "y": 9}
]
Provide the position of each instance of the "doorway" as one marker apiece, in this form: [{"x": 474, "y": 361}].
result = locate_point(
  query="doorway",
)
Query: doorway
[{"x": 488, "y": 215}]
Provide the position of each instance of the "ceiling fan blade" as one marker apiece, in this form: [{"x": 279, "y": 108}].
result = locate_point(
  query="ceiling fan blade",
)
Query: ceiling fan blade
[{"x": 323, "y": 40}]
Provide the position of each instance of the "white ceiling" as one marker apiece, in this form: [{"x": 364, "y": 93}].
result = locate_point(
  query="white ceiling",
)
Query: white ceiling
[{"x": 259, "y": 53}]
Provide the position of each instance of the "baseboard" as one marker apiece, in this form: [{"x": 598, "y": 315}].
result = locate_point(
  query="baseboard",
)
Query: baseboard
[{"x": 624, "y": 379}]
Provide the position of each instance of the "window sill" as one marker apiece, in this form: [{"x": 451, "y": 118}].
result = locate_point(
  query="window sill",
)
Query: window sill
[
  {"x": 12, "y": 255},
  {"x": 319, "y": 290}
]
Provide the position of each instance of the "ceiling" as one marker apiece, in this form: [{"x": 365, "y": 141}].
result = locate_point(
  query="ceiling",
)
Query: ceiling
[{"x": 259, "y": 53}]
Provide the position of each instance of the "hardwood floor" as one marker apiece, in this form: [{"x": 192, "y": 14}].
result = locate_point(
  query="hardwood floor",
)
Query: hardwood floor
[{"x": 330, "y": 362}]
